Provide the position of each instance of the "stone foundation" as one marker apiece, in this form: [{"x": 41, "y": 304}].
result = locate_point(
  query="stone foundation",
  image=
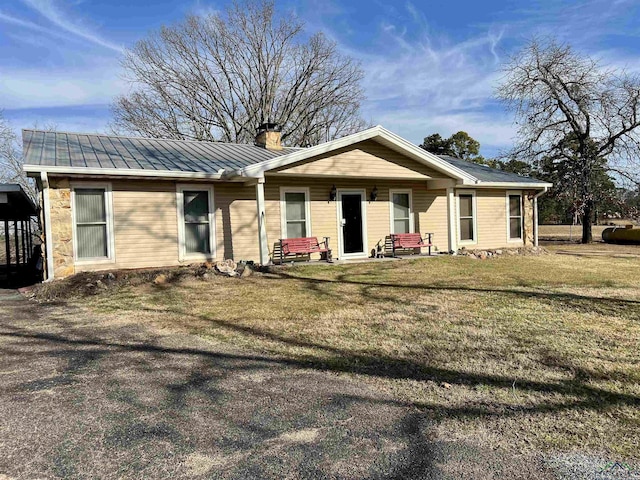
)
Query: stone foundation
[{"x": 61, "y": 228}]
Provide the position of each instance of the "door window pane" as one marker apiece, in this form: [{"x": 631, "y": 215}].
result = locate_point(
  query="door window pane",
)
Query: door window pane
[
  {"x": 466, "y": 218},
  {"x": 197, "y": 237},
  {"x": 197, "y": 230},
  {"x": 91, "y": 223},
  {"x": 401, "y": 213},
  {"x": 466, "y": 229},
  {"x": 92, "y": 241},
  {"x": 515, "y": 217},
  {"x": 196, "y": 206},
  {"x": 295, "y": 214},
  {"x": 515, "y": 228},
  {"x": 466, "y": 206}
]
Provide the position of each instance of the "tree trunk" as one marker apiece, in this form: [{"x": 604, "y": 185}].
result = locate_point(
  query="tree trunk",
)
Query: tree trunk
[{"x": 587, "y": 234}]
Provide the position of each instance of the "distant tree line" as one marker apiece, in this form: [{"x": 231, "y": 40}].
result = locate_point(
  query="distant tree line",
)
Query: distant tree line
[{"x": 562, "y": 203}]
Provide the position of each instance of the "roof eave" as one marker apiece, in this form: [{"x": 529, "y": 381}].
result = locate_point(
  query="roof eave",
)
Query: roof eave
[
  {"x": 121, "y": 172},
  {"x": 519, "y": 185}
]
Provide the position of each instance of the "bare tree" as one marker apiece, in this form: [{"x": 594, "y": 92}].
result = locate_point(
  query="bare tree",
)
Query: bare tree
[
  {"x": 11, "y": 160},
  {"x": 217, "y": 77},
  {"x": 571, "y": 109}
]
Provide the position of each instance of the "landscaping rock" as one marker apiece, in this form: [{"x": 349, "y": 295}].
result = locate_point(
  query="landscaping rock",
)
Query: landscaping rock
[
  {"x": 160, "y": 279},
  {"x": 227, "y": 267}
]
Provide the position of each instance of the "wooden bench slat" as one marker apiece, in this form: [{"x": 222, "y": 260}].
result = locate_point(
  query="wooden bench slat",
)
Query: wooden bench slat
[
  {"x": 401, "y": 241},
  {"x": 303, "y": 245}
]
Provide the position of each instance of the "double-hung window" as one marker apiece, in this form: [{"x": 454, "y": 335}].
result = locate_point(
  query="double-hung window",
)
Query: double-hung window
[
  {"x": 196, "y": 222},
  {"x": 92, "y": 223},
  {"x": 514, "y": 209},
  {"x": 401, "y": 221},
  {"x": 467, "y": 217},
  {"x": 294, "y": 205}
]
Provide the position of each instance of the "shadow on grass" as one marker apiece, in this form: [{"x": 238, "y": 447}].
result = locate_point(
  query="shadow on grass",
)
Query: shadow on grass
[
  {"x": 343, "y": 361},
  {"x": 582, "y": 303}
]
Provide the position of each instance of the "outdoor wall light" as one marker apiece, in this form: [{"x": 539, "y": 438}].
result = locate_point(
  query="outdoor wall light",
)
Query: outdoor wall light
[
  {"x": 374, "y": 194},
  {"x": 333, "y": 194}
]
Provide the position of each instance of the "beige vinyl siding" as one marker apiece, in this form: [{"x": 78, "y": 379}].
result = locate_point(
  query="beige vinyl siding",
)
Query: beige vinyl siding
[
  {"x": 491, "y": 220},
  {"x": 236, "y": 221},
  {"x": 146, "y": 224},
  {"x": 429, "y": 210},
  {"x": 365, "y": 159},
  {"x": 430, "y": 207}
]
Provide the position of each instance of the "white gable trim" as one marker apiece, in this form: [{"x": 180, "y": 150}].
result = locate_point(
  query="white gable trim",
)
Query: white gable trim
[{"x": 379, "y": 133}]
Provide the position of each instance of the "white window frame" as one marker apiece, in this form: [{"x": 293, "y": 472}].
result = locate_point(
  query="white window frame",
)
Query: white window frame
[
  {"x": 182, "y": 253},
  {"x": 108, "y": 205},
  {"x": 283, "y": 209},
  {"x": 409, "y": 191},
  {"x": 509, "y": 194},
  {"x": 474, "y": 206}
]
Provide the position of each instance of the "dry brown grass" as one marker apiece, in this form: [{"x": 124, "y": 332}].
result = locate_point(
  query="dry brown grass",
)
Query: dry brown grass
[{"x": 521, "y": 352}]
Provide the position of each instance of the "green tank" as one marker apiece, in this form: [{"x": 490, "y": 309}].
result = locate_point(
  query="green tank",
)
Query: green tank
[{"x": 623, "y": 235}]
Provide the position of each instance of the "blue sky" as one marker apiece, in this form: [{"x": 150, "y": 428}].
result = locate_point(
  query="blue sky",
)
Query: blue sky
[{"x": 431, "y": 66}]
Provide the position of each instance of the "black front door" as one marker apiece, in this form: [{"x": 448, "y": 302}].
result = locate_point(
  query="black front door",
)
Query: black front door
[{"x": 352, "y": 241}]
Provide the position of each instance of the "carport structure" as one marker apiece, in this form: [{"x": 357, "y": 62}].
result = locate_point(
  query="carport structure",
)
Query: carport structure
[{"x": 17, "y": 267}]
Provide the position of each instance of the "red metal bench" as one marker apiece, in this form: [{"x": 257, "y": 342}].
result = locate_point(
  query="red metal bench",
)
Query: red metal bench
[
  {"x": 305, "y": 246},
  {"x": 404, "y": 241}
]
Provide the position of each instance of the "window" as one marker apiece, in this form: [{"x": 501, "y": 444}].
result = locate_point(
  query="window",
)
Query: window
[
  {"x": 466, "y": 215},
  {"x": 196, "y": 222},
  {"x": 295, "y": 218},
  {"x": 514, "y": 207},
  {"x": 401, "y": 221},
  {"x": 92, "y": 223}
]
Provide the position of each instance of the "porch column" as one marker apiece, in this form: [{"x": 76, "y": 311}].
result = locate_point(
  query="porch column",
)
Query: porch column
[
  {"x": 7, "y": 244},
  {"x": 16, "y": 242},
  {"x": 46, "y": 217},
  {"x": 451, "y": 215},
  {"x": 262, "y": 227}
]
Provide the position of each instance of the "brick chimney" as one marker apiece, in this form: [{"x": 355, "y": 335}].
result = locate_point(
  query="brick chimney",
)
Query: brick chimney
[{"x": 269, "y": 136}]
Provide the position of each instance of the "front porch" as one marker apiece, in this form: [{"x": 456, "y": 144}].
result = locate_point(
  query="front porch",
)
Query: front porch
[{"x": 356, "y": 214}]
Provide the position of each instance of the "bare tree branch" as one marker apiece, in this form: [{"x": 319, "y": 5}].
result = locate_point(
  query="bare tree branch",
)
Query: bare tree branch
[
  {"x": 570, "y": 109},
  {"x": 218, "y": 77}
]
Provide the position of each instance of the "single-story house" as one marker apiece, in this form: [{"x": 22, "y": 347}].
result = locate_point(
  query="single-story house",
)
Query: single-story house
[{"x": 112, "y": 202}]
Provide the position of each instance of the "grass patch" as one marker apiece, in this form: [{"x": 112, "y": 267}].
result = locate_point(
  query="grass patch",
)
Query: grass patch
[{"x": 523, "y": 352}]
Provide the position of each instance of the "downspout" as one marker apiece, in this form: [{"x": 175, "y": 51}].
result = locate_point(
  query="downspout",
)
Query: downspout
[
  {"x": 262, "y": 227},
  {"x": 48, "y": 236},
  {"x": 535, "y": 215}
]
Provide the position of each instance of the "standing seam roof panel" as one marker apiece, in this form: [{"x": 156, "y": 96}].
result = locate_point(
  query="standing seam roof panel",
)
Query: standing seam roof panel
[{"x": 90, "y": 156}]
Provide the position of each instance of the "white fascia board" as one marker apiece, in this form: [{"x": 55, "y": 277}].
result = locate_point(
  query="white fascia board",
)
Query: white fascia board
[
  {"x": 510, "y": 185},
  {"x": 416, "y": 152},
  {"x": 121, "y": 172}
]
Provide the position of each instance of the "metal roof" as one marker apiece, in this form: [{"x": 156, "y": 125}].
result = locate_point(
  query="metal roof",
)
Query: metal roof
[
  {"x": 162, "y": 157},
  {"x": 487, "y": 174},
  {"x": 15, "y": 204},
  {"x": 65, "y": 149}
]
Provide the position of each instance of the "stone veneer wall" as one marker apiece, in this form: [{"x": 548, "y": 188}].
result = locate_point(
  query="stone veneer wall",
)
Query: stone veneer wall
[
  {"x": 61, "y": 227},
  {"x": 528, "y": 212}
]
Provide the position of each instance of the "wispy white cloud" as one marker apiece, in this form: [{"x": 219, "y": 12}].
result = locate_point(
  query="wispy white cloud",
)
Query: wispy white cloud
[
  {"x": 86, "y": 84},
  {"x": 50, "y": 11},
  {"x": 419, "y": 84}
]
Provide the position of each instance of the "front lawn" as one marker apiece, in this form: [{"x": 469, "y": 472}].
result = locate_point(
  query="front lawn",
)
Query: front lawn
[{"x": 523, "y": 353}]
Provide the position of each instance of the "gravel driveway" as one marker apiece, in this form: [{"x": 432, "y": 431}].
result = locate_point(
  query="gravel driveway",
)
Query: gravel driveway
[{"x": 84, "y": 397}]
